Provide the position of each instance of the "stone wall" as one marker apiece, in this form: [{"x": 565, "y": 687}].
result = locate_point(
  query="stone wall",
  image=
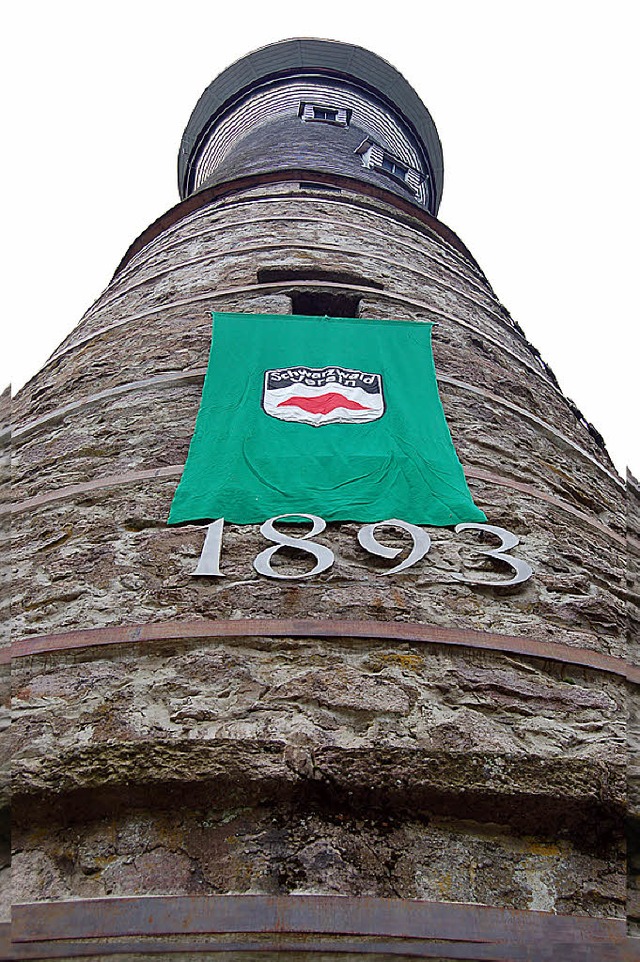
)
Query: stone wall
[
  {"x": 345, "y": 764},
  {"x": 5, "y": 643},
  {"x": 633, "y": 729}
]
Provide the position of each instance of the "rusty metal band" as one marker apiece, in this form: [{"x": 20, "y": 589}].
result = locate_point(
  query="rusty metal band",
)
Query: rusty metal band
[
  {"x": 99, "y": 484},
  {"x": 534, "y": 419},
  {"x": 395, "y": 631},
  {"x": 173, "y": 241},
  {"x": 196, "y": 374},
  {"x": 242, "y": 251},
  {"x": 280, "y": 286},
  {"x": 175, "y": 470},
  {"x": 297, "y": 947},
  {"x": 424, "y": 275},
  {"x": 281, "y": 946},
  {"x": 233, "y": 203},
  {"x": 192, "y": 376},
  {"x": 363, "y": 925},
  {"x": 480, "y": 475},
  {"x": 230, "y": 188}
]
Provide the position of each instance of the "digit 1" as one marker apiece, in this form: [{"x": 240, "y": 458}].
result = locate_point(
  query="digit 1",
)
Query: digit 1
[{"x": 209, "y": 563}]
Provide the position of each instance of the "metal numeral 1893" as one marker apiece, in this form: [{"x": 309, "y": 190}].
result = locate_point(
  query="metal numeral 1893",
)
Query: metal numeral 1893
[{"x": 209, "y": 563}]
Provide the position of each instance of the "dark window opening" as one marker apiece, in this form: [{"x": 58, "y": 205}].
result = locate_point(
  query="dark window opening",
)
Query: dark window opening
[
  {"x": 325, "y": 113},
  {"x": 324, "y": 304},
  {"x": 340, "y": 116},
  {"x": 394, "y": 168},
  {"x": 271, "y": 275},
  {"x": 316, "y": 185}
]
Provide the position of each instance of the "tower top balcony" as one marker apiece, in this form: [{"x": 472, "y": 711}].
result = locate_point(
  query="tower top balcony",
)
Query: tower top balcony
[{"x": 313, "y": 105}]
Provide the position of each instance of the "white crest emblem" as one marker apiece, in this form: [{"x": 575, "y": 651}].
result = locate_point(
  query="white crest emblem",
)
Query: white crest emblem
[{"x": 323, "y": 395}]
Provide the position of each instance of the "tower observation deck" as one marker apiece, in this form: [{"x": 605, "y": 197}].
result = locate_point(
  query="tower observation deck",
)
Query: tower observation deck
[{"x": 388, "y": 737}]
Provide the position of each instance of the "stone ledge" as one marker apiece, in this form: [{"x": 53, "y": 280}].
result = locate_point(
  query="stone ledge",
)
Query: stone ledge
[{"x": 530, "y": 793}]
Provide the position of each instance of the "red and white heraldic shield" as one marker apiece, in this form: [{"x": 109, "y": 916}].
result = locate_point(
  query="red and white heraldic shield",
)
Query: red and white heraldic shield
[{"x": 323, "y": 395}]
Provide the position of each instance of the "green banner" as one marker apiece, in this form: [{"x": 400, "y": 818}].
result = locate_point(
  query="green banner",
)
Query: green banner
[{"x": 338, "y": 417}]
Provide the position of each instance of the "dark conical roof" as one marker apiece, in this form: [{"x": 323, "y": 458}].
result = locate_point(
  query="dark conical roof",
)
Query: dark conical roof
[{"x": 318, "y": 58}]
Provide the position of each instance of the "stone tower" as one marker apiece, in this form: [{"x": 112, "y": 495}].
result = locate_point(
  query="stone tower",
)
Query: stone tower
[{"x": 425, "y": 764}]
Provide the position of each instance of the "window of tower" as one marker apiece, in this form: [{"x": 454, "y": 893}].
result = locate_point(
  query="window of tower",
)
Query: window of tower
[
  {"x": 324, "y": 113},
  {"x": 316, "y": 185},
  {"x": 320, "y": 113},
  {"x": 394, "y": 168},
  {"x": 324, "y": 304},
  {"x": 312, "y": 298},
  {"x": 376, "y": 157}
]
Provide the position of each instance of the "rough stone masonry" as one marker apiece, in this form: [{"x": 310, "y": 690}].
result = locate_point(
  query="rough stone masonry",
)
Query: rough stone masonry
[{"x": 159, "y": 750}]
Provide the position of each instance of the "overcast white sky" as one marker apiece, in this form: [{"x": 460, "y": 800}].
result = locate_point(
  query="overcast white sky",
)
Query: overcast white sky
[{"x": 535, "y": 103}]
